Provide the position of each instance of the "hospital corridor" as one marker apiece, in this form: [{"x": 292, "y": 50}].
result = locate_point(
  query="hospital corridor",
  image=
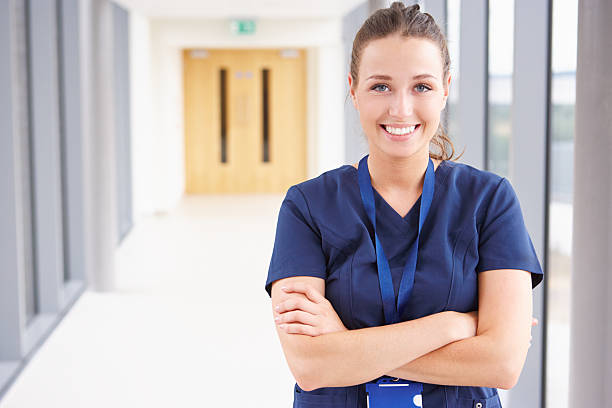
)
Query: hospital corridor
[
  {"x": 184, "y": 327},
  {"x": 150, "y": 149}
]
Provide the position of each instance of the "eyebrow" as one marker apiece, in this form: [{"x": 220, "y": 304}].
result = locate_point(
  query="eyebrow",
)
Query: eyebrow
[{"x": 388, "y": 78}]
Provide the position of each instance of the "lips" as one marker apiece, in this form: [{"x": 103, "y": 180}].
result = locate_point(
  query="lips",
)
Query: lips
[{"x": 398, "y": 138}]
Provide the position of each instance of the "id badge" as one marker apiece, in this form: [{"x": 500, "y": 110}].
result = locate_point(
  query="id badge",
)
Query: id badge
[{"x": 389, "y": 392}]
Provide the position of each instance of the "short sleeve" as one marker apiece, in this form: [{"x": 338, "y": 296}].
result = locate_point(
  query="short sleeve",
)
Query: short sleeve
[
  {"x": 297, "y": 246},
  {"x": 504, "y": 242}
]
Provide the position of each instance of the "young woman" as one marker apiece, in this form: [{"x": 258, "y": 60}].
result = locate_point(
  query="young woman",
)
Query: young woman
[{"x": 378, "y": 268}]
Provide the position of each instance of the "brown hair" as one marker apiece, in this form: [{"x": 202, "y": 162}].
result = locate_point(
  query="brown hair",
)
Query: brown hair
[{"x": 408, "y": 22}]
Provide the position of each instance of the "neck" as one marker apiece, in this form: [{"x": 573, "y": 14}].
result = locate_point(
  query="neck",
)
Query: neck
[{"x": 398, "y": 173}]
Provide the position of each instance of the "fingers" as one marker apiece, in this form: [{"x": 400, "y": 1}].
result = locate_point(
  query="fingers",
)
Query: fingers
[
  {"x": 534, "y": 322},
  {"x": 311, "y": 293},
  {"x": 297, "y": 316},
  {"x": 296, "y": 303},
  {"x": 296, "y": 328}
]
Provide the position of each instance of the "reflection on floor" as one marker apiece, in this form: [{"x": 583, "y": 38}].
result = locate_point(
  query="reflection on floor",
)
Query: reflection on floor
[{"x": 189, "y": 326}]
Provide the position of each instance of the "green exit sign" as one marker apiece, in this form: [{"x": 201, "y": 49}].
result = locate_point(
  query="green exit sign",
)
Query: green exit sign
[{"x": 243, "y": 27}]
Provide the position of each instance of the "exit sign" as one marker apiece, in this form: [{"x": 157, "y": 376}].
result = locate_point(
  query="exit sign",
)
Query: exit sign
[{"x": 243, "y": 27}]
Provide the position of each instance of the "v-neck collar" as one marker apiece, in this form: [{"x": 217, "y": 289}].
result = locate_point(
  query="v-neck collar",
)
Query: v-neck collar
[
  {"x": 384, "y": 202},
  {"x": 405, "y": 221}
]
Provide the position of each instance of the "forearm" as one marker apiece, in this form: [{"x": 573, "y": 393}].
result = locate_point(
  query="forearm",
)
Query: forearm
[
  {"x": 357, "y": 356},
  {"x": 475, "y": 361}
]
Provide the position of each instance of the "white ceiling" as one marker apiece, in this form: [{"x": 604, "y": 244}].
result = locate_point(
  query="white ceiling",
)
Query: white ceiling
[{"x": 241, "y": 8}]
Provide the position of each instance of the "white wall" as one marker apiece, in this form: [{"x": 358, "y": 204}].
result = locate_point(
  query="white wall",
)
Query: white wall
[
  {"x": 157, "y": 122},
  {"x": 329, "y": 104},
  {"x": 143, "y": 142},
  {"x": 167, "y": 120}
]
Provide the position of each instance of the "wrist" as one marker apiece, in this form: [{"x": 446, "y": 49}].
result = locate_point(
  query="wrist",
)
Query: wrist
[{"x": 455, "y": 325}]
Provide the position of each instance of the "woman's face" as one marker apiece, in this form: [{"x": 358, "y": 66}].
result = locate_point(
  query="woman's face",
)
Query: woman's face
[{"x": 400, "y": 86}]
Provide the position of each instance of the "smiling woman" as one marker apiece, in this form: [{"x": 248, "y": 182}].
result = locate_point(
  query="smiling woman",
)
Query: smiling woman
[
  {"x": 409, "y": 269},
  {"x": 403, "y": 104}
]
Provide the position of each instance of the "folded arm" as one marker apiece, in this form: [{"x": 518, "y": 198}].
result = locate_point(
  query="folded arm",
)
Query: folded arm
[
  {"x": 352, "y": 357},
  {"x": 496, "y": 355}
]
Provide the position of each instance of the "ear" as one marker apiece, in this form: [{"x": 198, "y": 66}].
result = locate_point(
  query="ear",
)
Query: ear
[
  {"x": 352, "y": 91},
  {"x": 446, "y": 90}
]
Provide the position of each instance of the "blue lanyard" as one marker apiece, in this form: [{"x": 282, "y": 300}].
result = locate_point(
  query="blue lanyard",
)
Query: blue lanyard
[{"x": 391, "y": 308}]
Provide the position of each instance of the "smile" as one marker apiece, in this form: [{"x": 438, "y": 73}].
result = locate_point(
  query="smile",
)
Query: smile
[{"x": 400, "y": 133}]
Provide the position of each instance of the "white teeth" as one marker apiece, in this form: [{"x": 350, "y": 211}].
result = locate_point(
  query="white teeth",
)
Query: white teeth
[{"x": 400, "y": 131}]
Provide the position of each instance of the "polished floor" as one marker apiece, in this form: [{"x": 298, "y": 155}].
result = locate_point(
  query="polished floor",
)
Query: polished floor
[{"x": 189, "y": 325}]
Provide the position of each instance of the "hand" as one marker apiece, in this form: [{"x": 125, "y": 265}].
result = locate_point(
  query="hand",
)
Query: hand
[
  {"x": 307, "y": 312},
  {"x": 534, "y": 322}
]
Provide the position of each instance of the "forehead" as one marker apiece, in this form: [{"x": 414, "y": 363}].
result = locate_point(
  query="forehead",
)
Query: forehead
[{"x": 400, "y": 57}]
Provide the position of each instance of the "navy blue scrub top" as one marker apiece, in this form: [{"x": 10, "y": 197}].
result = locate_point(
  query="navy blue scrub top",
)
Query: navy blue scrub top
[{"x": 474, "y": 224}]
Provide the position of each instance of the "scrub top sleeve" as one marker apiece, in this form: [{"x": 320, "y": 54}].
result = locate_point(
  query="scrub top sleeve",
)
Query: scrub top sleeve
[
  {"x": 297, "y": 246},
  {"x": 504, "y": 242}
]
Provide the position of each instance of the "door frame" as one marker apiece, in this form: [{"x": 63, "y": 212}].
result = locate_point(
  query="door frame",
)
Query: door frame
[{"x": 320, "y": 38}]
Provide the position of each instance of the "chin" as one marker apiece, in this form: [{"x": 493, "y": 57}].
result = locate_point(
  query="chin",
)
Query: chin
[{"x": 402, "y": 151}]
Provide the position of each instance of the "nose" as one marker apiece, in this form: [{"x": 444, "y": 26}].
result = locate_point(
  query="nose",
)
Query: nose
[{"x": 402, "y": 105}]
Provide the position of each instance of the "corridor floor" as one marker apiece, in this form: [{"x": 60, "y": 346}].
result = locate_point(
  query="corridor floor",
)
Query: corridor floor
[{"x": 189, "y": 325}]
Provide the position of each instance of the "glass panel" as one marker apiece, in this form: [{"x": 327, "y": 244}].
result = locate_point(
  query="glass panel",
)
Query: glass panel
[
  {"x": 62, "y": 127},
  {"x": 266, "y": 112},
  {"x": 29, "y": 229},
  {"x": 453, "y": 15},
  {"x": 501, "y": 49},
  {"x": 223, "y": 79},
  {"x": 121, "y": 83},
  {"x": 563, "y": 98}
]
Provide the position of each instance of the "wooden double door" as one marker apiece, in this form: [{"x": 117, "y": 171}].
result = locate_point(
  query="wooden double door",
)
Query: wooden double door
[{"x": 245, "y": 120}]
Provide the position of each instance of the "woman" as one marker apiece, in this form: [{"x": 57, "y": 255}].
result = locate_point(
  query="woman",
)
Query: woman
[{"x": 378, "y": 268}]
